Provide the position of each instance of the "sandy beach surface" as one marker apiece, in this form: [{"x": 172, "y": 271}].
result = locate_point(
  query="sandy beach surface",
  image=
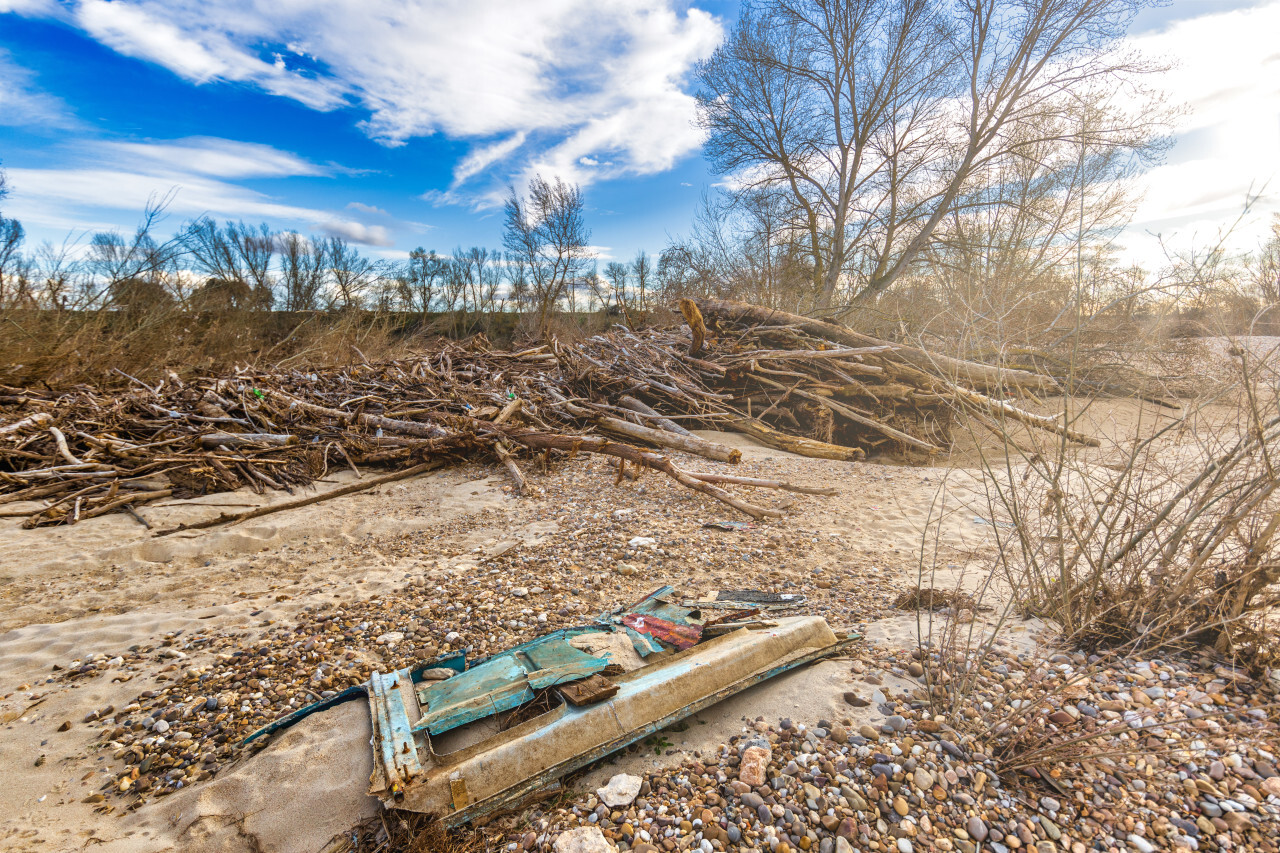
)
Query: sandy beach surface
[{"x": 98, "y": 615}]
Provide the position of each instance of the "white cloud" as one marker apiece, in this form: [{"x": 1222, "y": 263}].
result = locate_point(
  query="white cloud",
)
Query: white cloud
[
  {"x": 22, "y": 103},
  {"x": 102, "y": 179},
  {"x": 484, "y": 157},
  {"x": 370, "y": 209},
  {"x": 552, "y": 81},
  {"x": 1228, "y": 73},
  {"x": 356, "y": 232},
  {"x": 219, "y": 158}
]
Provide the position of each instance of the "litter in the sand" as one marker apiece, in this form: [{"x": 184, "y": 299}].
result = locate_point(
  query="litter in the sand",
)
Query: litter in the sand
[{"x": 520, "y": 720}]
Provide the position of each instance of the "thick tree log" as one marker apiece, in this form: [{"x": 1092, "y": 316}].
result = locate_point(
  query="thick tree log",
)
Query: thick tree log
[
  {"x": 629, "y": 402},
  {"x": 697, "y": 327},
  {"x": 971, "y": 372},
  {"x": 674, "y": 441},
  {"x": 812, "y": 448},
  {"x": 671, "y": 440}
]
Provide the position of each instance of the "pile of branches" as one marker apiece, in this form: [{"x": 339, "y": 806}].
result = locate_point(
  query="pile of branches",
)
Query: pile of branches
[{"x": 806, "y": 386}]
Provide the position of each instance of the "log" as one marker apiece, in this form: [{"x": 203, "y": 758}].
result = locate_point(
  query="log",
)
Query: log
[
  {"x": 708, "y": 477},
  {"x": 812, "y": 448},
  {"x": 671, "y": 440},
  {"x": 246, "y": 439},
  {"x": 697, "y": 327},
  {"x": 971, "y": 372},
  {"x": 629, "y": 402}
]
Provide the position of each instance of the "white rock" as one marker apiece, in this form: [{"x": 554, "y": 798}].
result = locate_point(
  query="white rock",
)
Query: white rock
[
  {"x": 622, "y": 790},
  {"x": 520, "y": 591},
  {"x": 390, "y": 638},
  {"x": 643, "y": 542},
  {"x": 584, "y": 839}
]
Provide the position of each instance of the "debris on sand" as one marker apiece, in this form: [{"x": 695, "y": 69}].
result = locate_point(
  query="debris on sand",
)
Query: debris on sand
[{"x": 805, "y": 386}]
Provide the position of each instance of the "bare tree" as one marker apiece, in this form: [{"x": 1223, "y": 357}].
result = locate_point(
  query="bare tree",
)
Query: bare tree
[
  {"x": 12, "y": 263},
  {"x": 874, "y": 117},
  {"x": 351, "y": 272},
  {"x": 548, "y": 234},
  {"x": 1264, "y": 267},
  {"x": 642, "y": 269},
  {"x": 234, "y": 253},
  {"x": 303, "y": 264},
  {"x": 421, "y": 280},
  {"x": 135, "y": 271}
]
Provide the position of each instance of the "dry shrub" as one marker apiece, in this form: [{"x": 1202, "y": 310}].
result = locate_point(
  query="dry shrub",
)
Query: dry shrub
[
  {"x": 60, "y": 348},
  {"x": 1168, "y": 539}
]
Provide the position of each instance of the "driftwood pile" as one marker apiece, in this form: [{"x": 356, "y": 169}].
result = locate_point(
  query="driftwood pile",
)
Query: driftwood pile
[{"x": 803, "y": 385}]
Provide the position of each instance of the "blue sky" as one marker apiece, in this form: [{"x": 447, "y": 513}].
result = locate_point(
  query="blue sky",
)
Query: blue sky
[{"x": 399, "y": 124}]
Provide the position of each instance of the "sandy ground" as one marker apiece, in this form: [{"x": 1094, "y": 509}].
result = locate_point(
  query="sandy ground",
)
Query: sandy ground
[{"x": 108, "y": 584}]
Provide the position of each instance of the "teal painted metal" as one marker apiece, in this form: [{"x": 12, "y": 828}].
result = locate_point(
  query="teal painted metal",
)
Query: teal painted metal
[
  {"x": 457, "y": 662},
  {"x": 505, "y": 681},
  {"x": 644, "y": 644},
  {"x": 499, "y": 684},
  {"x": 391, "y": 728}
]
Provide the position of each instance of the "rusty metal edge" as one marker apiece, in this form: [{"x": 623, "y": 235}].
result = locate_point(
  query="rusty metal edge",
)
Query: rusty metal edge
[{"x": 552, "y": 774}]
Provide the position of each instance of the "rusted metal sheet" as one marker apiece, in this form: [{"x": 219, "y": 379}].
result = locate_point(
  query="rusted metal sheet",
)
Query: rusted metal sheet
[
  {"x": 505, "y": 768},
  {"x": 658, "y": 616},
  {"x": 680, "y": 636}
]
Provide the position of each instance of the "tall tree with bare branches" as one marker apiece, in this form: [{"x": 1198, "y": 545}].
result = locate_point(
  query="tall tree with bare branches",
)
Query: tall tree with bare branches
[
  {"x": 546, "y": 233},
  {"x": 875, "y": 117}
]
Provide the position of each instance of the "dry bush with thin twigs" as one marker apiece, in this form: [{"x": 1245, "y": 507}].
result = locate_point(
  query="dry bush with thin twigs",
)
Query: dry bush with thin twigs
[{"x": 1169, "y": 540}]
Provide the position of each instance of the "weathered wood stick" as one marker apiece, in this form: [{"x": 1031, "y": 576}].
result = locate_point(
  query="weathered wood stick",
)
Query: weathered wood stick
[
  {"x": 37, "y": 421},
  {"x": 61, "y": 440},
  {"x": 596, "y": 444},
  {"x": 246, "y": 439},
  {"x": 232, "y": 518},
  {"x": 708, "y": 477},
  {"x": 856, "y": 417},
  {"x": 808, "y": 354},
  {"x": 671, "y": 440},
  {"x": 504, "y": 454},
  {"x": 810, "y": 447},
  {"x": 508, "y": 411},
  {"x": 377, "y": 421},
  {"x": 999, "y": 408},
  {"x": 629, "y": 402}
]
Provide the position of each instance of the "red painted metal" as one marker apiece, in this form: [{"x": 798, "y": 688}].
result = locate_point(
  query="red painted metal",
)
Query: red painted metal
[{"x": 682, "y": 636}]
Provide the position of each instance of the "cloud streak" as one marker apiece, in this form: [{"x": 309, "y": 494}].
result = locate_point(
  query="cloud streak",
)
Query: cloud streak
[{"x": 197, "y": 175}]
